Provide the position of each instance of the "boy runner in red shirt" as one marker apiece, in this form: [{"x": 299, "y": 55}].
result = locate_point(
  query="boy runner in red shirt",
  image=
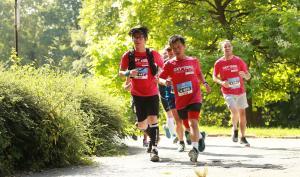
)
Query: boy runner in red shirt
[
  {"x": 229, "y": 72},
  {"x": 141, "y": 66},
  {"x": 185, "y": 75},
  {"x": 168, "y": 101}
]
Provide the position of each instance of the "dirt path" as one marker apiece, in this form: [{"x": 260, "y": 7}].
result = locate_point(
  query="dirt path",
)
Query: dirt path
[{"x": 222, "y": 158}]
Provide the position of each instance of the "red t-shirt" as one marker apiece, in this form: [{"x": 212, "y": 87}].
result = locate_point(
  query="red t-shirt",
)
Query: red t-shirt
[
  {"x": 144, "y": 83},
  {"x": 229, "y": 70},
  {"x": 185, "y": 76}
]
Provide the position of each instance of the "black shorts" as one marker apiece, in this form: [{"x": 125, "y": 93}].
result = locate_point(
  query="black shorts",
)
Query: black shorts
[
  {"x": 183, "y": 113},
  {"x": 146, "y": 106}
]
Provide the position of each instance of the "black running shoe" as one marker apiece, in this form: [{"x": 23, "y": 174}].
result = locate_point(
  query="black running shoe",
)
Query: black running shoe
[
  {"x": 134, "y": 137},
  {"x": 235, "y": 135},
  {"x": 201, "y": 144},
  {"x": 181, "y": 147},
  {"x": 193, "y": 154},
  {"x": 188, "y": 137},
  {"x": 244, "y": 141},
  {"x": 154, "y": 155}
]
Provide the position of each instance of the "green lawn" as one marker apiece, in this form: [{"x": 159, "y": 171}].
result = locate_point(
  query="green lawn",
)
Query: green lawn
[{"x": 257, "y": 132}]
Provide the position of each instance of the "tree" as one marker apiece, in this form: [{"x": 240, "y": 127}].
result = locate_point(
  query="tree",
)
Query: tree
[
  {"x": 264, "y": 33},
  {"x": 45, "y": 31}
]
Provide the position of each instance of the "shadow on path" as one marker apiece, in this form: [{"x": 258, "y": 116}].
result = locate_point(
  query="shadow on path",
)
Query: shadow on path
[
  {"x": 260, "y": 148},
  {"x": 230, "y": 155},
  {"x": 219, "y": 163}
]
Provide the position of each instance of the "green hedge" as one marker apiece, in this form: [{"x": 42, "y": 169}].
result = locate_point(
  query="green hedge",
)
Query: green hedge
[{"x": 49, "y": 118}]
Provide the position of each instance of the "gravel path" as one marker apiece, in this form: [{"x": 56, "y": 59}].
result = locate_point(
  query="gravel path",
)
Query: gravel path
[{"x": 222, "y": 158}]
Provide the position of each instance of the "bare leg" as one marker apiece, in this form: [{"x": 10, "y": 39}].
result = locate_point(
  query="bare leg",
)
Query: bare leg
[
  {"x": 234, "y": 117},
  {"x": 194, "y": 130},
  {"x": 179, "y": 126},
  {"x": 243, "y": 121}
]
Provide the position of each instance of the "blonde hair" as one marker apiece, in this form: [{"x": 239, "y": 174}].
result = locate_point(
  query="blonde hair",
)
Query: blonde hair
[{"x": 222, "y": 43}]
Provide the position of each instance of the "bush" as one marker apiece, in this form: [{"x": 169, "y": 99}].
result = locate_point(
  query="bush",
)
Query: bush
[{"x": 49, "y": 118}]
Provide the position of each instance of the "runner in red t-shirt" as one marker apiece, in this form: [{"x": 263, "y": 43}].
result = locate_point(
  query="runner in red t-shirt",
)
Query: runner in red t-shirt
[
  {"x": 141, "y": 66},
  {"x": 230, "y": 72},
  {"x": 185, "y": 75},
  {"x": 168, "y": 101}
]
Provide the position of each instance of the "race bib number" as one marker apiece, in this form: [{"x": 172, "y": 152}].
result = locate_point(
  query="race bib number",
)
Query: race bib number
[
  {"x": 142, "y": 73},
  {"x": 234, "y": 82},
  {"x": 184, "y": 88}
]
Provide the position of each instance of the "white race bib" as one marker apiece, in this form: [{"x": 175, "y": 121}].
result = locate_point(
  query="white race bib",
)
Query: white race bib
[
  {"x": 184, "y": 88},
  {"x": 234, "y": 82},
  {"x": 142, "y": 73}
]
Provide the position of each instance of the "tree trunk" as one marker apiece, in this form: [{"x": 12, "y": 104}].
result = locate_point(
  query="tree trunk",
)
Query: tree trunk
[{"x": 253, "y": 117}]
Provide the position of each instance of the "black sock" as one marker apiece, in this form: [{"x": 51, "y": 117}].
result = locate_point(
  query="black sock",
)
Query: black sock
[{"x": 153, "y": 134}]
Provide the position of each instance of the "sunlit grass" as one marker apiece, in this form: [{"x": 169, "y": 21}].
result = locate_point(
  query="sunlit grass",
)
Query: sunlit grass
[{"x": 256, "y": 132}]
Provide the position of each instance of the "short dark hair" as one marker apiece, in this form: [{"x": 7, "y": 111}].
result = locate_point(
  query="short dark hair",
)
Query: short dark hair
[
  {"x": 139, "y": 30},
  {"x": 168, "y": 48},
  {"x": 175, "y": 38}
]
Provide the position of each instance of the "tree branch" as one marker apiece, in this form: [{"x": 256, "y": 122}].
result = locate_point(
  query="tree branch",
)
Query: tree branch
[
  {"x": 226, "y": 3},
  {"x": 211, "y": 4},
  {"x": 238, "y": 15},
  {"x": 186, "y": 2}
]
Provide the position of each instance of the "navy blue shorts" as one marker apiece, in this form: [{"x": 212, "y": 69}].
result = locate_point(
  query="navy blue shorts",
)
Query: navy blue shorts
[{"x": 167, "y": 97}]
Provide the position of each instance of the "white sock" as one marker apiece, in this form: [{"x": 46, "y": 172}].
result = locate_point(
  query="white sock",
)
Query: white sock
[
  {"x": 234, "y": 128},
  {"x": 195, "y": 145},
  {"x": 171, "y": 125},
  {"x": 200, "y": 136}
]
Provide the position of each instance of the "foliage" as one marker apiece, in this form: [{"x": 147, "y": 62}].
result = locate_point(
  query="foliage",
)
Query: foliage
[
  {"x": 50, "y": 118},
  {"x": 264, "y": 33},
  {"x": 45, "y": 31}
]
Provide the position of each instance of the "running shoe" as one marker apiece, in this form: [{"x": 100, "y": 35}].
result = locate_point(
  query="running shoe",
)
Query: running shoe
[
  {"x": 244, "y": 141},
  {"x": 175, "y": 140},
  {"x": 134, "y": 137},
  {"x": 193, "y": 154},
  {"x": 167, "y": 131},
  {"x": 235, "y": 135},
  {"x": 181, "y": 147},
  {"x": 145, "y": 143},
  {"x": 201, "y": 144},
  {"x": 154, "y": 155}
]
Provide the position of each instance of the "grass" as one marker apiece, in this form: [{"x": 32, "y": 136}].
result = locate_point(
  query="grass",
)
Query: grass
[{"x": 255, "y": 132}]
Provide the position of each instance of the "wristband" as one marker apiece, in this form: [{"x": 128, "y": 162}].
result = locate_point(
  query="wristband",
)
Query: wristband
[{"x": 127, "y": 73}]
